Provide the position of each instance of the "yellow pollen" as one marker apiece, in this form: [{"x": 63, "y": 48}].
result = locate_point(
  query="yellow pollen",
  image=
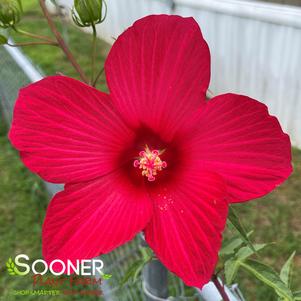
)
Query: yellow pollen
[{"x": 150, "y": 163}]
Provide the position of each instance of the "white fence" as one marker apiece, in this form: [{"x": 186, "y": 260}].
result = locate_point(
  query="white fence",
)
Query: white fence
[{"x": 255, "y": 47}]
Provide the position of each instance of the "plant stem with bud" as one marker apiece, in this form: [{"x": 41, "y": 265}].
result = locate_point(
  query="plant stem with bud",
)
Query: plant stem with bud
[
  {"x": 35, "y": 36},
  {"x": 62, "y": 43},
  {"x": 93, "y": 53}
]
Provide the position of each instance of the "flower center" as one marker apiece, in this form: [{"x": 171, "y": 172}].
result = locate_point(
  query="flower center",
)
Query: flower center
[{"x": 150, "y": 163}]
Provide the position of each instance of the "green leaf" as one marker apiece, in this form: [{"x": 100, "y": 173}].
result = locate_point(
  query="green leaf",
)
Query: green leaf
[
  {"x": 286, "y": 271},
  {"x": 245, "y": 252},
  {"x": 231, "y": 268},
  {"x": 136, "y": 268},
  {"x": 131, "y": 271},
  {"x": 234, "y": 219},
  {"x": 232, "y": 265},
  {"x": 147, "y": 253},
  {"x": 138, "y": 271},
  {"x": 268, "y": 276},
  {"x": 229, "y": 247}
]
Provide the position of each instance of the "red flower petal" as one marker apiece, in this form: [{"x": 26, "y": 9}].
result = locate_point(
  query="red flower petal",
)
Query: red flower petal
[
  {"x": 185, "y": 231},
  {"x": 158, "y": 71},
  {"x": 67, "y": 131},
  {"x": 89, "y": 219},
  {"x": 238, "y": 139}
]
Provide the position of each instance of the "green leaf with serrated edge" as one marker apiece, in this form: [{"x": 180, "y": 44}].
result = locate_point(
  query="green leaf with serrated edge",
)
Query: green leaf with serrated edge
[
  {"x": 245, "y": 252},
  {"x": 232, "y": 265},
  {"x": 233, "y": 218},
  {"x": 268, "y": 276},
  {"x": 286, "y": 271},
  {"x": 229, "y": 247}
]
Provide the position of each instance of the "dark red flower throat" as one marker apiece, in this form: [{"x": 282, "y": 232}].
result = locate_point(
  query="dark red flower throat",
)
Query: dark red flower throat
[{"x": 151, "y": 160}]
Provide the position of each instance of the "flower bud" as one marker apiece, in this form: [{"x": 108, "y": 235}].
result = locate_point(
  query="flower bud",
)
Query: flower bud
[
  {"x": 88, "y": 12},
  {"x": 10, "y": 12}
]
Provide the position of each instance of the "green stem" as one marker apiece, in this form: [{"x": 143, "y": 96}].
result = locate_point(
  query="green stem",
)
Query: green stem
[
  {"x": 93, "y": 53},
  {"x": 98, "y": 76},
  {"x": 32, "y": 35},
  {"x": 32, "y": 43},
  {"x": 62, "y": 43}
]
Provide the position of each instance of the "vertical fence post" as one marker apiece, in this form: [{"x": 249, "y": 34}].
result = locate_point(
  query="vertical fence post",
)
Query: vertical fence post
[{"x": 155, "y": 281}]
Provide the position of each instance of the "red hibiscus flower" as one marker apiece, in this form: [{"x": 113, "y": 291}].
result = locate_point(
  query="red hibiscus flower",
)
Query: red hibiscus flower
[{"x": 152, "y": 156}]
